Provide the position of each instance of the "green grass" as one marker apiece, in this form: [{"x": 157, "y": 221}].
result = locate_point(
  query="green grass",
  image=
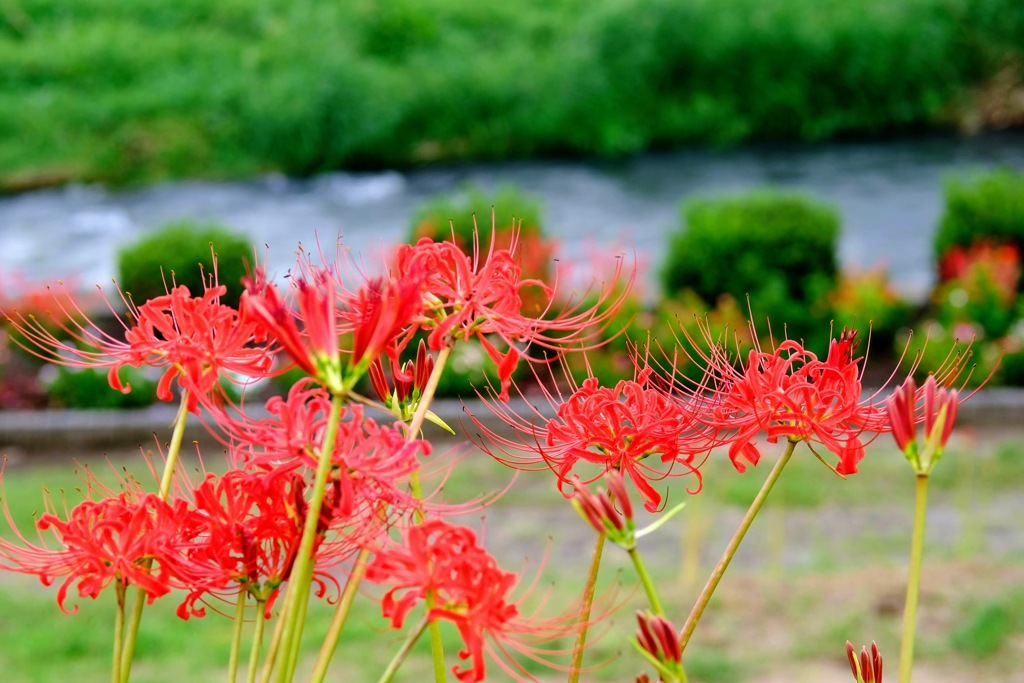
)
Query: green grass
[
  {"x": 140, "y": 91},
  {"x": 813, "y": 610}
]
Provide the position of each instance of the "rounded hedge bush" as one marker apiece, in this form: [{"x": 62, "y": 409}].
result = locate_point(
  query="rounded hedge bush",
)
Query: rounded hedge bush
[
  {"x": 985, "y": 207},
  {"x": 181, "y": 252},
  {"x": 438, "y": 218},
  {"x": 778, "y": 249}
]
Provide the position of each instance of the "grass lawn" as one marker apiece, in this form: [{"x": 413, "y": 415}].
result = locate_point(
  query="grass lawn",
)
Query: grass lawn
[{"x": 825, "y": 563}]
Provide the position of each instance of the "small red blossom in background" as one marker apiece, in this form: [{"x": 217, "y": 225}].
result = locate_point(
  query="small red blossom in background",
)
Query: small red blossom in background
[
  {"x": 984, "y": 264},
  {"x": 632, "y": 427},
  {"x": 197, "y": 339},
  {"x": 371, "y": 462}
]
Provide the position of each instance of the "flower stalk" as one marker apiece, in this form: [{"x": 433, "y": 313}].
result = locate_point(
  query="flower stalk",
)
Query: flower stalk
[
  {"x": 257, "y": 641},
  {"x": 236, "y": 637},
  {"x": 166, "y": 481},
  {"x": 733, "y": 546},
  {"x": 302, "y": 571},
  {"x": 914, "y": 582},
  {"x": 584, "y": 619},
  {"x": 403, "y": 652}
]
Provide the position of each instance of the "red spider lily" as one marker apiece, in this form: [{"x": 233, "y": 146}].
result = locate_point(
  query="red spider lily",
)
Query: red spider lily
[
  {"x": 600, "y": 512},
  {"x": 410, "y": 381},
  {"x": 660, "y": 639},
  {"x": 790, "y": 393},
  {"x": 482, "y": 295},
  {"x": 470, "y": 590},
  {"x": 939, "y": 408},
  {"x": 132, "y": 540},
  {"x": 371, "y": 462},
  {"x": 315, "y": 348},
  {"x": 242, "y": 533},
  {"x": 380, "y": 315},
  {"x": 868, "y": 668},
  {"x": 633, "y": 428},
  {"x": 197, "y": 339}
]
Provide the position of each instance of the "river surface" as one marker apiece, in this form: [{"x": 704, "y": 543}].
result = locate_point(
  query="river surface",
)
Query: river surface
[{"x": 889, "y": 195}]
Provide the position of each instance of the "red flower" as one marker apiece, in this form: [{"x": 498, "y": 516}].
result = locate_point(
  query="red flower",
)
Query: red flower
[
  {"x": 371, "y": 462},
  {"x": 789, "y": 393},
  {"x": 380, "y": 316},
  {"x": 242, "y": 533},
  {"x": 197, "y": 340},
  {"x": 482, "y": 295},
  {"x": 868, "y": 667},
  {"x": 469, "y": 589},
  {"x": 315, "y": 348},
  {"x": 633, "y": 428},
  {"x": 133, "y": 541},
  {"x": 939, "y": 409},
  {"x": 660, "y": 639}
]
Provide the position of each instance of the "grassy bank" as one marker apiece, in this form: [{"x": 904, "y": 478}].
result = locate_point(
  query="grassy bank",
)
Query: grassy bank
[
  {"x": 135, "y": 92},
  {"x": 825, "y": 564}
]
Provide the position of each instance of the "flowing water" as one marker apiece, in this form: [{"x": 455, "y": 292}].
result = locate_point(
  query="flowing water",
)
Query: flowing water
[{"x": 889, "y": 195}]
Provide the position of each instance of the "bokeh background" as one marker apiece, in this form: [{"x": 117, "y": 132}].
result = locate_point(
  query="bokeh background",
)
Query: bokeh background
[{"x": 832, "y": 164}]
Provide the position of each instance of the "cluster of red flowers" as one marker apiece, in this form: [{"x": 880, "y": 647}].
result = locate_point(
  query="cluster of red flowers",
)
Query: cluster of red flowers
[
  {"x": 241, "y": 533},
  {"x": 314, "y": 483}
]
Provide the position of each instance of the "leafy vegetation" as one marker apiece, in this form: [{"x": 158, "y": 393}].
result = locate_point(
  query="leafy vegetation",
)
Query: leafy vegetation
[
  {"x": 182, "y": 253},
  {"x": 135, "y": 92}
]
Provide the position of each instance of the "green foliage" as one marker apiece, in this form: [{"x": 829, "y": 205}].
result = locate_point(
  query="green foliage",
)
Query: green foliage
[
  {"x": 147, "y": 90},
  {"x": 983, "y": 207},
  {"x": 438, "y": 218},
  {"x": 864, "y": 299},
  {"x": 469, "y": 370},
  {"x": 985, "y": 629},
  {"x": 88, "y": 388},
  {"x": 777, "y": 249},
  {"x": 182, "y": 252}
]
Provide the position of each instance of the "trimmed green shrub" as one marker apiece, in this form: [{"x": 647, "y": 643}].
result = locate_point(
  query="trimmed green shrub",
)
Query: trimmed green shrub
[
  {"x": 778, "y": 249},
  {"x": 452, "y": 217},
  {"x": 984, "y": 207},
  {"x": 439, "y": 217},
  {"x": 182, "y": 252},
  {"x": 88, "y": 388}
]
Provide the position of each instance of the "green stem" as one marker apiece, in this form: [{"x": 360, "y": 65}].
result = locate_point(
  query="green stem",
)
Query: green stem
[
  {"x": 734, "y": 544},
  {"x": 257, "y": 641},
  {"x": 652, "y": 596},
  {"x": 302, "y": 571},
  {"x": 403, "y": 652},
  {"x": 173, "y": 449},
  {"x": 646, "y": 582},
  {"x": 348, "y": 595},
  {"x": 588, "y": 601},
  {"x": 236, "y": 637},
  {"x": 115, "y": 669},
  {"x": 415, "y": 425},
  {"x": 914, "y": 583},
  {"x": 362, "y": 559},
  {"x": 427, "y": 397},
  {"x": 275, "y": 641}
]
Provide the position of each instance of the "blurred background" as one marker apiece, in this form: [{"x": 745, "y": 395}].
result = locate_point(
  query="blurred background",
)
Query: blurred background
[{"x": 840, "y": 164}]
